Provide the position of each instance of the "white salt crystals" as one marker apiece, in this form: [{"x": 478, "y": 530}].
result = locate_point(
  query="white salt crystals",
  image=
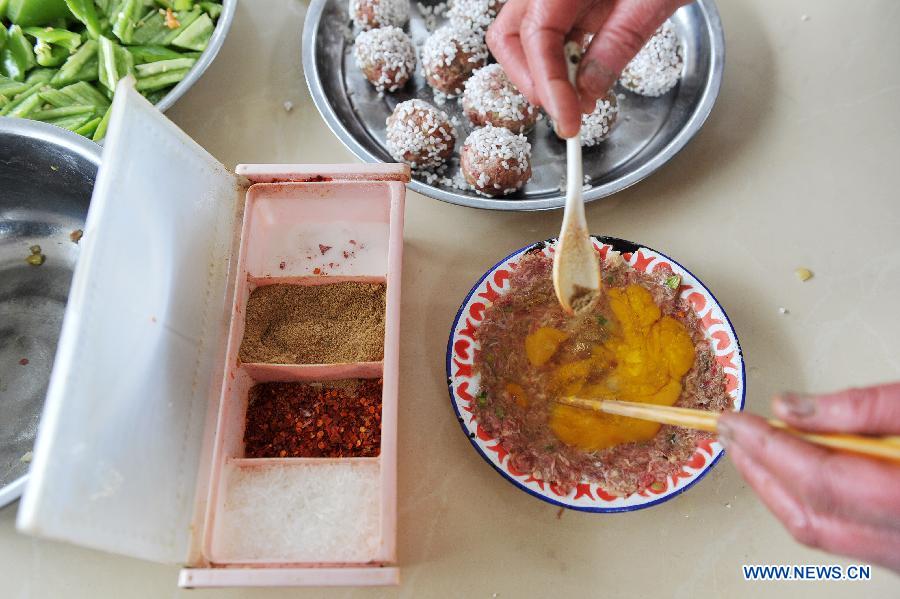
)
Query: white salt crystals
[
  {"x": 300, "y": 512},
  {"x": 372, "y": 14},
  {"x": 386, "y": 56},
  {"x": 657, "y": 67}
]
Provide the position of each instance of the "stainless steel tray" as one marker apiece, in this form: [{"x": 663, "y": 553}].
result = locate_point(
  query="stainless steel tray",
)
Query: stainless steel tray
[{"x": 649, "y": 131}]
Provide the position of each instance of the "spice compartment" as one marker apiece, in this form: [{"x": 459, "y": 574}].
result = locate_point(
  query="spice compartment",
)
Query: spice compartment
[
  {"x": 323, "y": 228},
  {"x": 154, "y": 438},
  {"x": 308, "y": 511}
]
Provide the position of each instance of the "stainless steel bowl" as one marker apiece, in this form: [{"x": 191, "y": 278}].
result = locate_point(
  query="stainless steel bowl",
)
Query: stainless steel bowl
[
  {"x": 649, "y": 131},
  {"x": 46, "y": 179},
  {"x": 215, "y": 44}
]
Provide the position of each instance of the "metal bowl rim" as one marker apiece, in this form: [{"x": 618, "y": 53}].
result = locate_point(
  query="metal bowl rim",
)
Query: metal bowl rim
[
  {"x": 223, "y": 25},
  {"x": 693, "y": 124}
]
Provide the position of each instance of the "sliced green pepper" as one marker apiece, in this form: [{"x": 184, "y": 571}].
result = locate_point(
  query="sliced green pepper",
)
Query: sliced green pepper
[
  {"x": 64, "y": 111},
  {"x": 50, "y": 55},
  {"x": 213, "y": 9},
  {"x": 163, "y": 66},
  {"x": 160, "y": 81},
  {"x": 85, "y": 93},
  {"x": 153, "y": 30},
  {"x": 28, "y": 13},
  {"x": 10, "y": 88},
  {"x": 89, "y": 127},
  {"x": 115, "y": 63},
  {"x": 59, "y": 37},
  {"x": 81, "y": 66},
  {"x": 144, "y": 54},
  {"x": 100, "y": 132},
  {"x": 17, "y": 57},
  {"x": 25, "y": 103},
  {"x": 55, "y": 98},
  {"x": 196, "y": 35},
  {"x": 71, "y": 123},
  {"x": 3, "y": 33},
  {"x": 84, "y": 11},
  {"x": 126, "y": 19}
]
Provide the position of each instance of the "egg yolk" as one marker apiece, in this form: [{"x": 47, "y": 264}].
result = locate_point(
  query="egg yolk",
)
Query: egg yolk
[{"x": 644, "y": 359}]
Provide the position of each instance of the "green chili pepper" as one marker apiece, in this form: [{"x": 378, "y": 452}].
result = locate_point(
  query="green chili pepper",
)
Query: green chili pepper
[
  {"x": 160, "y": 81},
  {"x": 65, "y": 111},
  {"x": 213, "y": 9},
  {"x": 9, "y": 89},
  {"x": 89, "y": 127},
  {"x": 196, "y": 35},
  {"x": 57, "y": 37},
  {"x": 49, "y": 55},
  {"x": 81, "y": 66},
  {"x": 4, "y": 35},
  {"x": 115, "y": 63},
  {"x": 481, "y": 399},
  {"x": 126, "y": 19},
  {"x": 17, "y": 57},
  {"x": 163, "y": 66},
  {"x": 27, "y": 13},
  {"x": 100, "y": 132},
  {"x": 86, "y": 12},
  {"x": 145, "y": 54}
]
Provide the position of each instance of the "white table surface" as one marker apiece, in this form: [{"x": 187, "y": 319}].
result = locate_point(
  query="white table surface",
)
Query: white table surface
[{"x": 796, "y": 167}]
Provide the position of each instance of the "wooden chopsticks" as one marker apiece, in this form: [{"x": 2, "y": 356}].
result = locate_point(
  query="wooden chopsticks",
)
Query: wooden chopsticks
[{"x": 880, "y": 447}]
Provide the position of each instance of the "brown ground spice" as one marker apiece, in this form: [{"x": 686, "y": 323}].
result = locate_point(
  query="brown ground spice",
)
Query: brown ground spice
[
  {"x": 315, "y": 324},
  {"x": 315, "y": 420}
]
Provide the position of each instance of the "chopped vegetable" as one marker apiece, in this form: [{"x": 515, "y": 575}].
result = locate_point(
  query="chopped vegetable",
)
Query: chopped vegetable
[
  {"x": 196, "y": 35},
  {"x": 18, "y": 56},
  {"x": 60, "y": 60},
  {"x": 115, "y": 62},
  {"x": 481, "y": 398},
  {"x": 673, "y": 282},
  {"x": 27, "y": 13}
]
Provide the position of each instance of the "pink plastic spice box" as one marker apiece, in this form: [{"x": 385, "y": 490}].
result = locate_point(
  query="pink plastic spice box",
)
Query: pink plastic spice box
[{"x": 140, "y": 448}]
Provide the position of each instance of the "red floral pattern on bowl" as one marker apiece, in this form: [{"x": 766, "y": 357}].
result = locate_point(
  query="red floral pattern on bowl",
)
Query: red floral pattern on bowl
[{"x": 464, "y": 384}]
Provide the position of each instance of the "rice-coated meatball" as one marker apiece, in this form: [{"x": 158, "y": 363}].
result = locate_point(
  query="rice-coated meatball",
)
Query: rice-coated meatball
[
  {"x": 475, "y": 15},
  {"x": 450, "y": 55},
  {"x": 490, "y": 97},
  {"x": 657, "y": 67},
  {"x": 496, "y": 161},
  {"x": 420, "y": 134},
  {"x": 595, "y": 127},
  {"x": 386, "y": 57},
  {"x": 372, "y": 14}
]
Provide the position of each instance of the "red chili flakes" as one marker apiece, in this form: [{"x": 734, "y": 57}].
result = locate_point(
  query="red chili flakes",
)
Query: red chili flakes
[
  {"x": 324, "y": 248},
  {"x": 317, "y": 271},
  {"x": 314, "y": 420},
  {"x": 282, "y": 265},
  {"x": 23, "y": 362}
]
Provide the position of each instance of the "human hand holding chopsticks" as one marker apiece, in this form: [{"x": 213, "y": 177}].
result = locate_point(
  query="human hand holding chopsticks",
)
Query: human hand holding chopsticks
[{"x": 838, "y": 502}]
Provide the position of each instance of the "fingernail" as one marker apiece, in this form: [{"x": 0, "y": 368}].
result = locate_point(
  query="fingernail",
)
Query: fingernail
[
  {"x": 596, "y": 78},
  {"x": 796, "y": 405}
]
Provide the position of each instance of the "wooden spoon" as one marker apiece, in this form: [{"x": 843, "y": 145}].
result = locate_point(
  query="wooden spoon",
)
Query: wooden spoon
[{"x": 576, "y": 270}]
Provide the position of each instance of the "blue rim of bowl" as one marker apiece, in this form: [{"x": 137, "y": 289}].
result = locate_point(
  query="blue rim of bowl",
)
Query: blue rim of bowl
[{"x": 619, "y": 245}]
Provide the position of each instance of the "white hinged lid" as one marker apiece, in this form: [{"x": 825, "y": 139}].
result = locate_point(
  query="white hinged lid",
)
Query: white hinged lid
[{"x": 140, "y": 354}]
